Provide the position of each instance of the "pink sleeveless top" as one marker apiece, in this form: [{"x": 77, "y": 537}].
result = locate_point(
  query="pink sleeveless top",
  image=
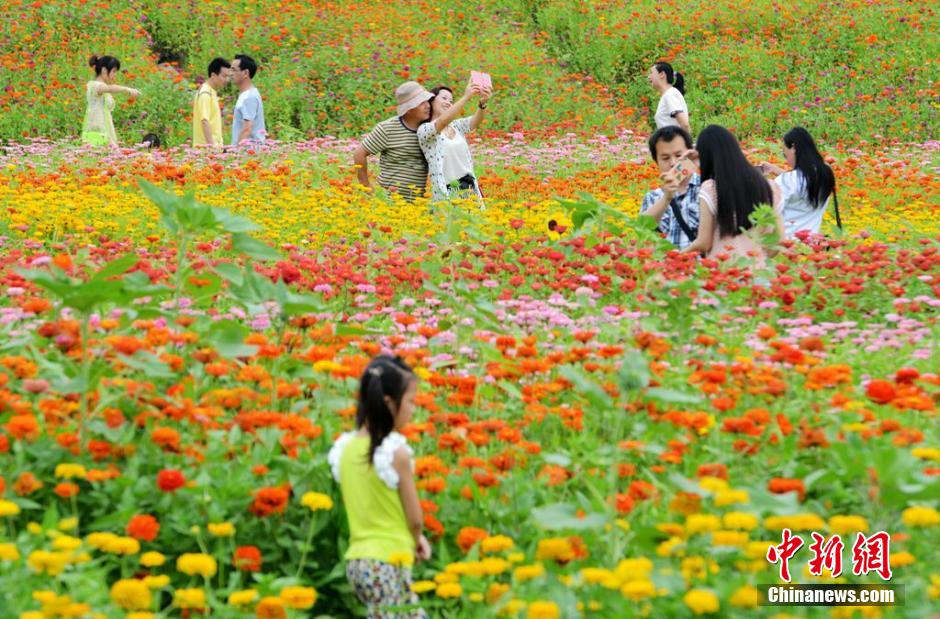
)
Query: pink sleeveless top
[{"x": 740, "y": 245}]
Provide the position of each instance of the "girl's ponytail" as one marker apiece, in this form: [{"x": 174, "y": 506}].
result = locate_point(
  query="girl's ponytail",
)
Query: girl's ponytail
[
  {"x": 679, "y": 82},
  {"x": 385, "y": 377}
]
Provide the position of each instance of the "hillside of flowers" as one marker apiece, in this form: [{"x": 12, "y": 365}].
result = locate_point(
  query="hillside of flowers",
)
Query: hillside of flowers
[
  {"x": 852, "y": 69},
  {"x": 604, "y": 427}
]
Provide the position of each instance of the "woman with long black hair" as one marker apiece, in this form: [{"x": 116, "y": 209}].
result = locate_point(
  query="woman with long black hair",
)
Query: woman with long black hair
[
  {"x": 670, "y": 84},
  {"x": 809, "y": 185},
  {"x": 731, "y": 191}
]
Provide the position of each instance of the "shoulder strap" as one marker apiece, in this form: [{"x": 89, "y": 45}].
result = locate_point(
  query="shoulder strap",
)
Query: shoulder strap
[{"x": 677, "y": 213}]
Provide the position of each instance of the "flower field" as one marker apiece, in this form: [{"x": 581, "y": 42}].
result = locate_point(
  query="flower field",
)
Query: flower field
[{"x": 604, "y": 427}]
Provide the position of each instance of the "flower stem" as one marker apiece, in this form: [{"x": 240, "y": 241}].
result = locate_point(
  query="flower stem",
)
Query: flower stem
[{"x": 303, "y": 554}]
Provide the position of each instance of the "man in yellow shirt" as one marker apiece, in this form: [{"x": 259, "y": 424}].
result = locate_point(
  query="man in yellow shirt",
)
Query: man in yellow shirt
[{"x": 207, "y": 116}]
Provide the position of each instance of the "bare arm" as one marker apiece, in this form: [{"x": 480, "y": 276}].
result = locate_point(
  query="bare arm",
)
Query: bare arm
[
  {"x": 207, "y": 132},
  {"x": 706, "y": 230},
  {"x": 361, "y": 159},
  {"x": 245, "y": 133},
  {"x": 114, "y": 89},
  {"x": 408, "y": 493},
  {"x": 659, "y": 207},
  {"x": 781, "y": 235},
  {"x": 683, "y": 119},
  {"x": 480, "y": 113}
]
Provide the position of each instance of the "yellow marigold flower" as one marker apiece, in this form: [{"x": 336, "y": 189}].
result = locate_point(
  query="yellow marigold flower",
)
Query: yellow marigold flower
[
  {"x": 100, "y": 540},
  {"x": 68, "y": 524},
  {"x": 758, "y": 549},
  {"x": 157, "y": 582},
  {"x": 124, "y": 546},
  {"x": 516, "y": 557},
  {"x": 271, "y": 607},
  {"x": 702, "y": 523},
  {"x": 542, "y": 610},
  {"x": 66, "y": 542},
  {"x": 443, "y": 577},
  {"x": 926, "y": 453},
  {"x": 701, "y": 601},
  {"x": 554, "y": 548},
  {"x": 596, "y": 575},
  {"x": 299, "y": 597},
  {"x": 713, "y": 484},
  {"x": 81, "y": 557},
  {"x": 493, "y": 566},
  {"x": 221, "y": 529},
  {"x": 193, "y": 599},
  {"x": 449, "y": 590},
  {"x": 672, "y": 529},
  {"x": 796, "y": 522},
  {"x": 423, "y": 373},
  {"x": 9, "y": 508},
  {"x": 528, "y": 572},
  {"x": 34, "y": 527},
  {"x": 9, "y": 552},
  {"x": 900, "y": 559},
  {"x": 423, "y": 586},
  {"x": 475, "y": 597},
  {"x": 697, "y": 567},
  {"x": 32, "y": 614},
  {"x": 496, "y": 543},
  {"x": 242, "y": 598},
  {"x": 197, "y": 563},
  {"x": 746, "y": 597},
  {"x": 629, "y": 570},
  {"x": 730, "y": 538},
  {"x": 668, "y": 547},
  {"x": 638, "y": 589},
  {"x": 316, "y": 501},
  {"x": 919, "y": 516},
  {"x": 401, "y": 558},
  {"x": 66, "y": 470},
  {"x": 739, "y": 520},
  {"x": 152, "y": 559},
  {"x": 131, "y": 594},
  {"x": 844, "y": 525},
  {"x": 140, "y": 615},
  {"x": 730, "y": 497},
  {"x": 511, "y": 609},
  {"x": 44, "y": 562},
  {"x": 934, "y": 590}
]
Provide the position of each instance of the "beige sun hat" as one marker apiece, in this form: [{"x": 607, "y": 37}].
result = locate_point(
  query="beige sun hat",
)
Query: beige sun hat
[{"x": 409, "y": 96}]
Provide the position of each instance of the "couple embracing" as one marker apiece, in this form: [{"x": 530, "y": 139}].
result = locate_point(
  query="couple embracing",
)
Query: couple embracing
[{"x": 426, "y": 137}]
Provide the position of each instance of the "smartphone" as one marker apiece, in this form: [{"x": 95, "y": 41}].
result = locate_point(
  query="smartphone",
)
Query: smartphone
[
  {"x": 483, "y": 80},
  {"x": 683, "y": 168}
]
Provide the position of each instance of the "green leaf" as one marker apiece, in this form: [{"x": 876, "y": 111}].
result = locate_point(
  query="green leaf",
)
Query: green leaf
[
  {"x": 634, "y": 372},
  {"x": 228, "y": 338},
  {"x": 115, "y": 267},
  {"x": 254, "y": 248},
  {"x": 231, "y": 272},
  {"x": 671, "y": 396}
]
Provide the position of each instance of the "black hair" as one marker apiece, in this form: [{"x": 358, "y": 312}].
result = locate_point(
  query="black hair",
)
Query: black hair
[
  {"x": 818, "y": 176},
  {"x": 384, "y": 376},
  {"x": 740, "y": 187},
  {"x": 217, "y": 65},
  {"x": 438, "y": 90},
  {"x": 247, "y": 63},
  {"x": 99, "y": 63},
  {"x": 673, "y": 77},
  {"x": 668, "y": 134},
  {"x": 151, "y": 140}
]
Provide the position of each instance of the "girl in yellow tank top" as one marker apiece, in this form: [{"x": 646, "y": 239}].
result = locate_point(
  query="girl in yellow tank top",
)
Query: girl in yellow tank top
[{"x": 373, "y": 466}]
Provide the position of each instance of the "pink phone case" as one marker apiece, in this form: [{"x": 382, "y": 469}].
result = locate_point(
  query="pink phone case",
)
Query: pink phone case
[{"x": 481, "y": 79}]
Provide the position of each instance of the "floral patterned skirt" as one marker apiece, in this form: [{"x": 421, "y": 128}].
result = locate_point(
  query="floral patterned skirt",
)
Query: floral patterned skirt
[{"x": 378, "y": 584}]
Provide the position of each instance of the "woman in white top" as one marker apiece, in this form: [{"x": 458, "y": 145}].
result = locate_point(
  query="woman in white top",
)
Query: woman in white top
[
  {"x": 670, "y": 84},
  {"x": 444, "y": 143},
  {"x": 807, "y": 188}
]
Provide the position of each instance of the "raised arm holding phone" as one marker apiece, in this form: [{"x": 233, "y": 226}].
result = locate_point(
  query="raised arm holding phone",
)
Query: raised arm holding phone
[{"x": 674, "y": 205}]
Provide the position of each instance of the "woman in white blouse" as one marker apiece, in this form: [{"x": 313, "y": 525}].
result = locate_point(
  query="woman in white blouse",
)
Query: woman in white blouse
[
  {"x": 670, "y": 84},
  {"x": 444, "y": 143},
  {"x": 807, "y": 187}
]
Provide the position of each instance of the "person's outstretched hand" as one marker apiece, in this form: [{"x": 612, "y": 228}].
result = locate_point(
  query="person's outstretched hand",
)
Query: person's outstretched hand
[{"x": 423, "y": 549}]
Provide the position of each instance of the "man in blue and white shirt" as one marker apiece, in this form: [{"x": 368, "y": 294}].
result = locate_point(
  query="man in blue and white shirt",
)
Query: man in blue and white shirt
[{"x": 674, "y": 205}]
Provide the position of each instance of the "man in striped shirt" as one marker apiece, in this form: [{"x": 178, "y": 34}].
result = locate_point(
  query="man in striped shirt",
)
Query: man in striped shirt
[{"x": 402, "y": 166}]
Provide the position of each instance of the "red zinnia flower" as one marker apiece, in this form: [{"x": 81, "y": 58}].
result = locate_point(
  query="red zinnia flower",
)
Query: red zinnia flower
[
  {"x": 143, "y": 527},
  {"x": 270, "y": 501},
  {"x": 247, "y": 559},
  {"x": 880, "y": 391},
  {"x": 170, "y": 480}
]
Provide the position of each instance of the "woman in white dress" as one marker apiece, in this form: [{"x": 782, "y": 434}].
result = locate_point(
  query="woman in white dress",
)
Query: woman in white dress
[
  {"x": 670, "y": 85},
  {"x": 444, "y": 143},
  {"x": 807, "y": 188}
]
